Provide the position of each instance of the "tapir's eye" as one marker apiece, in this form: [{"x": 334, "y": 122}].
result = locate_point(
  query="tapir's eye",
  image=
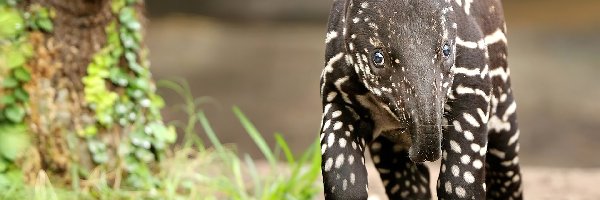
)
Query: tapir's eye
[
  {"x": 446, "y": 50},
  {"x": 378, "y": 58}
]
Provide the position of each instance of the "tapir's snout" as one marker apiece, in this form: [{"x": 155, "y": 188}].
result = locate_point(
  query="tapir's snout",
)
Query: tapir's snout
[
  {"x": 426, "y": 143},
  {"x": 425, "y": 123}
]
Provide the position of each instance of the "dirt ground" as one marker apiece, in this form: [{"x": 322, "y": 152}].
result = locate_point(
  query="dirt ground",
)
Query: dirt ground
[{"x": 539, "y": 183}]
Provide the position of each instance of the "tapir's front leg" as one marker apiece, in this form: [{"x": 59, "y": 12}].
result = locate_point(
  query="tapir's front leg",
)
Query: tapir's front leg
[
  {"x": 462, "y": 174},
  {"x": 465, "y": 138},
  {"x": 342, "y": 148}
]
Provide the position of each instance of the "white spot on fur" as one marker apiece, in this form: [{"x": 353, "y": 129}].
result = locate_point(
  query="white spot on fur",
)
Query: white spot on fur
[
  {"x": 331, "y": 96},
  {"x": 455, "y": 146},
  {"x": 498, "y": 153},
  {"x": 336, "y": 113},
  {"x": 477, "y": 164},
  {"x": 475, "y": 147},
  {"x": 514, "y": 138},
  {"x": 448, "y": 187},
  {"x": 339, "y": 161},
  {"x": 455, "y": 170},
  {"x": 460, "y": 192},
  {"x": 457, "y": 126},
  {"x": 337, "y": 125},
  {"x": 469, "y": 136},
  {"x": 342, "y": 142},
  {"x": 469, "y": 118},
  {"x": 330, "y": 139},
  {"x": 469, "y": 177},
  {"x": 328, "y": 164},
  {"x": 465, "y": 159},
  {"x": 330, "y": 36}
]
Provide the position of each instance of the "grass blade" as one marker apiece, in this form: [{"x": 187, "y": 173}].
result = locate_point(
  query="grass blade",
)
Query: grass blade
[
  {"x": 211, "y": 133},
  {"x": 285, "y": 148},
  {"x": 254, "y": 175},
  {"x": 237, "y": 173},
  {"x": 182, "y": 88},
  {"x": 256, "y": 136}
]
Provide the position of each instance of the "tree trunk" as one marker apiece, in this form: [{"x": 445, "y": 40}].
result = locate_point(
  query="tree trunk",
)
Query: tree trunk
[{"x": 91, "y": 102}]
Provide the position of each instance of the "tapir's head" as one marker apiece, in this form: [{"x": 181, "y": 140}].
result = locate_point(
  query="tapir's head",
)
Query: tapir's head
[{"x": 403, "y": 51}]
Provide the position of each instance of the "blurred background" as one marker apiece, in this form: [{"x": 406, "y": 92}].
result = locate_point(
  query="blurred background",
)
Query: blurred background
[{"x": 265, "y": 56}]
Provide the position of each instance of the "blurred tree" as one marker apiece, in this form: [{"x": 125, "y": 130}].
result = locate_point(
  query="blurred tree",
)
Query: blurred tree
[{"x": 76, "y": 93}]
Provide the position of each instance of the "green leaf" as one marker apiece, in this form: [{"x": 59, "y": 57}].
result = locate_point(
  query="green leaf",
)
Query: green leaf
[
  {"x": 127, "y": 15},
  {"x": 101, "y": 157},
  {"x": 112, "y": 36},
  {"x": 135, "y": 93},
  {"x": 14, "y": 59},
  {"x": 32, "y": 25},
  {"x": 7, "y": 100},
  {"x": 13, "y": 140},
  {"x": 144, "y": 155},
  {"x": 131, "y": 56},
  {"x": 137, "y": 36},
  {"x": 42, "y": 12},
  {"x": 14, "y": 113},
  {"x": 11, "y": 23},
  {"x": 116, "y": 5},
  {"x": 142, "y": 84},
  {"x": 128, "y": 39},
  {"x": 10, "y": 82},
  {"x": 21, "y": 95},
  {"x": 157, "y": 101},
  {"x": 11, "y": 180},
  {"x": 4, "y": 181},
  {"x": 134, "y": 25},
  {"x": 119, "y": 77},
  {"x": 22, "y": 74},
  {"x": 89, "y": 131},
  {"x": 45, "y": 24},
  {"x": 3, "y": 165},
  {"x": 117, "y": 51},
  {"x": 25, "y": 47},
  {"x": 95, "y": 146},
  {"x": 164, "y": 133}
]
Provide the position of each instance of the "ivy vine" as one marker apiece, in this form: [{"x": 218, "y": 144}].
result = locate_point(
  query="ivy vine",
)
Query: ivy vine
[
  {"x": 119, "y": 89},
  {"x": 15, "y": 51}
]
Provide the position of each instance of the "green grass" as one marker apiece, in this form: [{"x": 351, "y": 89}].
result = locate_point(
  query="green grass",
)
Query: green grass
[{"x": 201, "y": 170}]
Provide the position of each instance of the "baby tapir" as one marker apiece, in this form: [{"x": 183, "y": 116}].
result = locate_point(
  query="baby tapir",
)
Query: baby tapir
[{"x": 415, "y": 81}]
